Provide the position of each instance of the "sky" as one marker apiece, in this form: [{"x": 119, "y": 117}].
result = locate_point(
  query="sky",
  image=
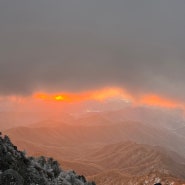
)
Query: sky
[{"x": 82, "y": 46}]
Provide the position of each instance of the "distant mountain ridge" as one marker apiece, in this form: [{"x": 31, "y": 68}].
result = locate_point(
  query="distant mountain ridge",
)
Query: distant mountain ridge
[{"x": 68, "y": 135}]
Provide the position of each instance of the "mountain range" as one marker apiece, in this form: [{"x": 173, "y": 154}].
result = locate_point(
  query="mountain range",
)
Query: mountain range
[{"x": 110, "y": 145}]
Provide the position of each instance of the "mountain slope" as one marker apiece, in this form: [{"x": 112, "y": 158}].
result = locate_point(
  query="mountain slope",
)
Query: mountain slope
[{"x": 138, "y": 159}]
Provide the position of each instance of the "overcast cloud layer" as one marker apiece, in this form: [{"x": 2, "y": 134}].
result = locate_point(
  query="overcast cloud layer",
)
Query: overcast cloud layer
[{"x": 74, "y": 45}]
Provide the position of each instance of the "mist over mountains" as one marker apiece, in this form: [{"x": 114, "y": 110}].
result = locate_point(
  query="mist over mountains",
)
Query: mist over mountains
[{"x": 126, "y": 146}]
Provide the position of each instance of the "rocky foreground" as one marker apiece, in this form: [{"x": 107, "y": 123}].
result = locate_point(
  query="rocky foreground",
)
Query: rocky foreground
[{"x": 18, "y": 169}]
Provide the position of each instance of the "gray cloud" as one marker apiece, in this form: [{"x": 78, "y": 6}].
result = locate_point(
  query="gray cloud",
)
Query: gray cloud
[{"x": 74, "y": 45}]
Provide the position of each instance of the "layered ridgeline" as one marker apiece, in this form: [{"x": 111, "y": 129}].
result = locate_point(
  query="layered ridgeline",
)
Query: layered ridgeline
[
  {"x": 17, "y": 169},
  {"x": 126, "y": 153}
]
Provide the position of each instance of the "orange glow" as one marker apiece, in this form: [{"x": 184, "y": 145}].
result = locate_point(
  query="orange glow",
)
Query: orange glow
[
  {"x": 65, "y": 101},
  {"x": 108, "y": 93},
  {"x": 155, "y": 100},
  {"x": 99, "y": 95},
  {"x": 41, "y": 96}
]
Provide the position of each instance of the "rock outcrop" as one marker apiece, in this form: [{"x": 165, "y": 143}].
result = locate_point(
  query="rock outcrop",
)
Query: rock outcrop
[{"x": 18, "y": 169}]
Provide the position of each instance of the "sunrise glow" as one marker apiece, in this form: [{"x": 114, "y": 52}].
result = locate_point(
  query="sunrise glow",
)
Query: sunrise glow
[
  {"x": 98, "y": 95},
  {"x": 156, "y": 100},
  {"x": 110, "y": 93},
  {"x": 59, "y": 98},
  {"x": 54, "y": 101}
]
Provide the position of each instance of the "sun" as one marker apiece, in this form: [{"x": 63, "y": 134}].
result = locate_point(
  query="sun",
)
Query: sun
[{"x": 59, "y": 98}]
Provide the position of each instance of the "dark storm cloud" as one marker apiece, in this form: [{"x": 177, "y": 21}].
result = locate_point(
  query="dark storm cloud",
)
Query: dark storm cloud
[{"x": 74, "y": 45}]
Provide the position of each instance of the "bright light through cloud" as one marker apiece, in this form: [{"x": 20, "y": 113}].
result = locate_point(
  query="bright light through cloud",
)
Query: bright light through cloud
[
  {"x": 98, "y": 95},
  {"x": 59, "y": 98}
]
